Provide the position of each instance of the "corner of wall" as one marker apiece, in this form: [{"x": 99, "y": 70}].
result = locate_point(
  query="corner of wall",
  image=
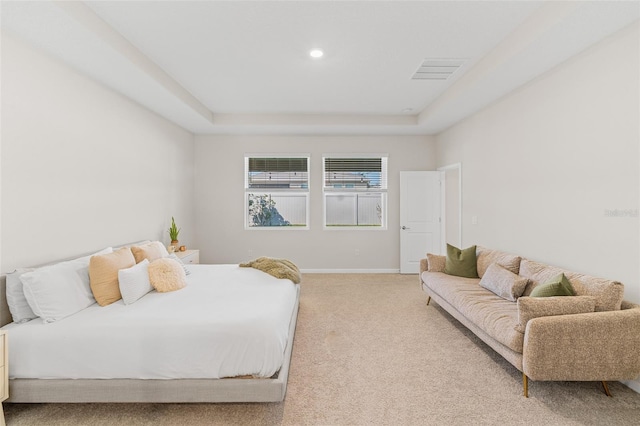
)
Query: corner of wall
[{"x": 633, "y": 384}]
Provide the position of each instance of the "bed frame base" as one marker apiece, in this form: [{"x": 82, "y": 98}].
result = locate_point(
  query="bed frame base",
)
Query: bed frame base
[
  {"x": 156, "y": 391},
  {"x": 159, "y": 391}
]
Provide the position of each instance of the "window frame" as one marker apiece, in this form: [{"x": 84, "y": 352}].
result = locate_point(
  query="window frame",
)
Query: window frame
[
  {"x": 276, "y": 192},
  {"x": 382, "y": 191}
]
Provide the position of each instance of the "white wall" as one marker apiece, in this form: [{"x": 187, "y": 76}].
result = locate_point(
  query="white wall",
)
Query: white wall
[
  {"x": 83, "y": 167},
  {"x": 541, "y": 166},
  {"x": 220, "y": 202}
]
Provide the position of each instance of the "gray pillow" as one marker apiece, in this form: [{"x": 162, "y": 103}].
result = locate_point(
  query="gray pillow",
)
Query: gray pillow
[{"x": 503, "y": 282}]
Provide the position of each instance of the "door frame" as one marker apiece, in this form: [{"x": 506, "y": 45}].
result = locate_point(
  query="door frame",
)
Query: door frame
[{"x": 443, "y": 227}]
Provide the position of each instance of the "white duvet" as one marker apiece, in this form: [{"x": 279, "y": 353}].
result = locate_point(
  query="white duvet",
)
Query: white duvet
[{"x": 228, "y": 321}]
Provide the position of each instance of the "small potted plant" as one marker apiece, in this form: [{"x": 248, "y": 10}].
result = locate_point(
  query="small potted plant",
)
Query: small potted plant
[{"x": 173, "y": 233}]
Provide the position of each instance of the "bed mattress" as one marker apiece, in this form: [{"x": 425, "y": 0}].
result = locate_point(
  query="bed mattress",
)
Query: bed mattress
[{"x": 228, "y": 321}]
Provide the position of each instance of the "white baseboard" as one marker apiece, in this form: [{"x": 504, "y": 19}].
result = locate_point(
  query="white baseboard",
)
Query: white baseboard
[
  {"x": 633, "y": 384},
  {"x": 350, "y": 271}
]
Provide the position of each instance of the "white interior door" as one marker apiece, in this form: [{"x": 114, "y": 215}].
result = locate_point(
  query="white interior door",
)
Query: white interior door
[{"x": 419, "y": 218}]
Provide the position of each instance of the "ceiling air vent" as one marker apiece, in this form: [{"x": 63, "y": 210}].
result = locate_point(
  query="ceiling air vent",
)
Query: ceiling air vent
[{"x": 437, "y": 69}]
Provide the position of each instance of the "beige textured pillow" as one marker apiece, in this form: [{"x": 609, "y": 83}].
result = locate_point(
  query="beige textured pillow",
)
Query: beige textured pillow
[
  {"x": 436, "y": 262},
  {"x": 503, "y": 282},
  {"x": 103, "y": 274},
  {"x": 167, "y": 275},
  {"x": 486, "y": 257},
  {"x": 150, "y": 251},
  {"x": 534, "y": 307}
]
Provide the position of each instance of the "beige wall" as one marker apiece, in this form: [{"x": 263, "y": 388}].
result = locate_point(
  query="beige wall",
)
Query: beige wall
[
  {"x": 82, "y": 167},
  {"x": 220, "y": 202},
  {"x": 541, "y": 166}
]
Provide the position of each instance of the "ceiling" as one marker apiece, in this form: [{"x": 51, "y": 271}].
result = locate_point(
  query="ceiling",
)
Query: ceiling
[{"x": 243, "y": 67}]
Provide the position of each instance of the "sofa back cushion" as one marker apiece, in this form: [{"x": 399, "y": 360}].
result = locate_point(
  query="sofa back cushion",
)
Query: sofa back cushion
[
  {"x": 608, "y": 293},
  {"x": 486, "y": 256}
]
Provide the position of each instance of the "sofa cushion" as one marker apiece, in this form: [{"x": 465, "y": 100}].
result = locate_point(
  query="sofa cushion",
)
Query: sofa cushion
[
  {"x": 608, "y": 293},
  {"x": 436, "y": 262},
  {"x": 534, "y": 307},
  {"x": 486, "y": 256},
  {"x": 503, "y": 282},
  {"x": 494, "y": 315},
  {"x": 461, "y": 262}
]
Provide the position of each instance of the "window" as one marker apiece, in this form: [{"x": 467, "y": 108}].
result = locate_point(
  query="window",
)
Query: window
[
  {"x": 276, "y": 192},
  {"x": 355, "y": 191}
]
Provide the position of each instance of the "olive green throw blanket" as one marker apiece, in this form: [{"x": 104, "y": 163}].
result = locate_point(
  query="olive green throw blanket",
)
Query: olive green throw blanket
[{"x": 279, "y": 268}]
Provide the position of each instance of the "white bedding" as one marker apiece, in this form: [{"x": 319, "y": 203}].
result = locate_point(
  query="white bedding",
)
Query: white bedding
[{"x": 228, "y": 321}]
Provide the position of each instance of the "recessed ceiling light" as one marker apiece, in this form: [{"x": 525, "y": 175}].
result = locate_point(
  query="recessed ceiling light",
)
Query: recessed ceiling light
[
  {"x": 407, "y": 110},
  {"x": 316, "y": 53}
]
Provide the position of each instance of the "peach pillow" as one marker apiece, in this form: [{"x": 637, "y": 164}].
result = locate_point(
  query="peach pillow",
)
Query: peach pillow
[
  {"x": 103, "y": 274},
  {"x": 150, "y": 251},
  {"x": 167, "y": 275}
]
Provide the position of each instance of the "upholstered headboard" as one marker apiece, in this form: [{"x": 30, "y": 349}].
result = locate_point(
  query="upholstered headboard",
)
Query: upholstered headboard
[{"x": 5, "y": 314}]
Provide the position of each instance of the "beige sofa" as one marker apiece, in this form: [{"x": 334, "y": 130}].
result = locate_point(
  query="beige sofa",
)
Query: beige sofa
[{"x": 543, "y": 337}]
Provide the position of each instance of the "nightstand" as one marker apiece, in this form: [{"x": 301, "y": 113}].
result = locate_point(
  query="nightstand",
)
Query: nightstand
[
  {"x": 189, "y": 256},
  {"x": 4, "y": 373}
]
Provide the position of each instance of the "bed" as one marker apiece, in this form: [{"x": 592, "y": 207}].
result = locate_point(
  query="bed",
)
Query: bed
[{"x": 226, "y": 337}]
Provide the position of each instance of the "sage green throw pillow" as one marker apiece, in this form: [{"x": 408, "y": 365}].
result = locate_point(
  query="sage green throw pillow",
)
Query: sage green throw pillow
[
  {"x": 557, "y": 286},
  {"x": 461, "y": 263}
]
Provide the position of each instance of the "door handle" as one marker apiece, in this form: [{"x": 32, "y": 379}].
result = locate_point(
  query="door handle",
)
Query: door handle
[{"x": 404, "y": 228}]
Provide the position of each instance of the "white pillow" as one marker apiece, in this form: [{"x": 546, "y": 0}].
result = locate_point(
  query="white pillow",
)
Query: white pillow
[
  {"x": 134, "y": 282},
  {"x": 175, "y": 257},
  {"x": 57, "y": 291},
  {"x": 18, "y": 305}
]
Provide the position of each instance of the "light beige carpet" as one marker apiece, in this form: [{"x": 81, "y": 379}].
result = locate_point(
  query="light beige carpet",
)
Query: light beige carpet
[{"x": 369, "y": 351}]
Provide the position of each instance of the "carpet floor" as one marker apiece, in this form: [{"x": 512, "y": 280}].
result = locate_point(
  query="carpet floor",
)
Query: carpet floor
[{"x": 369, "y": 351}]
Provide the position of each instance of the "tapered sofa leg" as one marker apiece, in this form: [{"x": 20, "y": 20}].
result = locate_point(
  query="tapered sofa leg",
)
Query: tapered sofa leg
[
  {"x": 428, "y": 300},
  {"x": 606, "y": 388},
  {"x": 525, "y": 385}
]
